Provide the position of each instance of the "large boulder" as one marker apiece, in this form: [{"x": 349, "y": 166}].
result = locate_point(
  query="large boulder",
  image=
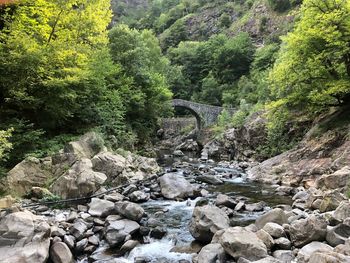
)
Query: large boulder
[
  {"x": 212, "y": 253},
  {"x": 24, "y": 237},
  {"x": 328, "y": 257},
  {"x": 79, "y": 181},
  {"x": 117, "y": 231},
  {"x": 338, "y": 179},
  {"x": 338, "y": 235},
  {"x": 100, "y": 208},
  {"x": 343, "y": 211},
  {"x": 7, "y": 201},
  {"x": 304, "y": 231},
  {"x": 240, "y": 242},
  {"x": 174, "y": 186},
  {"x": 87, "y": 146},
  {"x": 110, "y": 164},
  {"x": 206, "y": 221},
  {"x": 305, "y": 253},
  {"x": 129, "y": 210},
  {"x": 331, "y": 200},
  {"x": 60, "y": 253},
  {"x": 276, "y": 215},
  {"x": 28, "y": 173}
]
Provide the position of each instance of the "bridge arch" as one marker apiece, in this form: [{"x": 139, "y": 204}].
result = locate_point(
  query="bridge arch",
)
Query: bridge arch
[{"x": 206, "y": 115}]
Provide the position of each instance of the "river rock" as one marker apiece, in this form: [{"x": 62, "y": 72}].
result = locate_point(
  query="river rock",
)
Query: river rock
[
  {"x": 266, "y": 238},
  {"x": 79, "y": 181},
  {"x": 69, "y": 240},
  {"x": 343, "y": 211},
  {"x": 139, "y": 197},
  {"x": 338, "y": 234},
  {"x": 117, "y": 231},
  {"x": 7, "y": 202},
  {"x": 305, "y": 253},
  {"x": 336, "y": 180},
  {"x": 331, "y": 201},
  {"x": 78, "y": 229},
  {"x": 283, "y": 243},
  {"x": 175, "y": 186},
  {"x": 275, "y": 230},
  {"x": 60, "y": 253},
  {"x": 100, "y": 208},
  {"x": 328, "y": 257},
  {"x": 225, "y": 200},
  {"x": 304, "y": 231},
  {"x": 239, "y": 242},
  {"x": 284, "y": 256},
  {"x": 128, "y": 246},
  {"x": 212, "y": 253},
  {"x": 129, "y": 210},
  {"x": 256, "y": 207},
  {"x": 276, "y": 215},
  {"x": 24, "y": 237},
  {"x": 206, "y": 221},
  {"x": 209, "y": 179},
  {"x": 28, "y": 173}
]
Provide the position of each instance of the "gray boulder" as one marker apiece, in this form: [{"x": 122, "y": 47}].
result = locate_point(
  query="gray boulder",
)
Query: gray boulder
[
  {"x": 305, "y": 253},
  {"x": 275, "y": 230},
  {"x": 24, "y": 237},
  {"x": 338, "y": 235},
  {"x": 100, "y": 208},
  {"x": 139, "y": 197},
  {"x": 60, "y": 253},
  {"x": 276, "y": 215},
  {"x": 129, "y": 210},
  {"x": 112, "y": 165},
  {"x": 80, "y": 180},
  {"x": 225, "y": 200},
  {"x": 206, "y": 221},
  {"x": 343, "y": 211},
  {"x": 212, "y": 253},
  {"x": 117, "y": 231},
  {"x": 87, "y": 146},
  {"x": 174, "y": 186},
  {"x": 239, "y": 242}
]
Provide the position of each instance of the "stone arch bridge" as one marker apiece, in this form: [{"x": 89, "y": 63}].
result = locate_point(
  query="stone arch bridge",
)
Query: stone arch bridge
[{"x": 206, "y": 115}]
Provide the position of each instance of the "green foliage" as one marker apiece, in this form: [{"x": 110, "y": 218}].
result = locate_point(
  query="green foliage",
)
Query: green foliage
[
  {"x": 140, "y": 57},
  {"x": 313, "y": 68},
  {"x": 174, "y": 34},
  {"x": 233, "y": 59},
  {"x": 225, "y": 20},
  {"x": 279, "y": 5},
  {"x": 5, "y": 145}
]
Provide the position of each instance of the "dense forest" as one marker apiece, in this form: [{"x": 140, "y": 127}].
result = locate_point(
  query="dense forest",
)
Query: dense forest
[{"x": 72, "y": 66}]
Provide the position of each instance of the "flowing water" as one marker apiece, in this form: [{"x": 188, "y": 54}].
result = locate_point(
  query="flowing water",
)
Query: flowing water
[{"x": 175, "y": 216}]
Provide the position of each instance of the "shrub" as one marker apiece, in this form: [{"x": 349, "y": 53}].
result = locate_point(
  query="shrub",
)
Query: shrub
[{"x": 279, "y": 5}]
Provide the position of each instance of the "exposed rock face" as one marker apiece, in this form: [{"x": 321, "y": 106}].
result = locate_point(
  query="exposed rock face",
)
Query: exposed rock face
[
  {"x": 206, "y": 221},
  {"x": 244, "y": 141},
  {"x": 86, "y": 147},
  {"x": 175, "y": 186},
  {"x": 239, "y": 242},
  {"x": 311, "y": 159},
  {"x": 24, "y": 237},
  {"x": 304, "y": 231},
  {"x": 80, "y": 180},
  {"x": 28, "y": 173}
]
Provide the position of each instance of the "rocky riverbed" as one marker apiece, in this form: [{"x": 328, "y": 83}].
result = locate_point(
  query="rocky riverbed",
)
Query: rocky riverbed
[{"x": 190, "y": 212}]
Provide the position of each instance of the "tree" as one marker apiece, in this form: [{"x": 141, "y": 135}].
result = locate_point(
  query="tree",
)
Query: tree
[
  {"x": 142, "y": 62},
  {"x": 233, "y": 59},
  {"x": 313, "y": 67}
]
